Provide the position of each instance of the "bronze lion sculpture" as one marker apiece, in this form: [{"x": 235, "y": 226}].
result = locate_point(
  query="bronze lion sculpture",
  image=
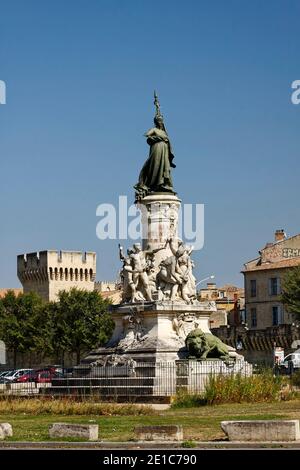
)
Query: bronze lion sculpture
[{"x": 205, "y": 345}]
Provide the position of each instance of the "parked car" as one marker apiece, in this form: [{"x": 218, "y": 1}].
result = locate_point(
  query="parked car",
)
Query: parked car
[
  {"x": 39, "y": 376},
  {"x": 15, "y": 374},
  {"x": 293, "y": 358},
  {"x": 54, "y": 368},
  {"x": 28, "y": 377},
  {"x": 4, "y": 372},
  {"x": 3, "y": 375},
  {"x": 68, "y": 372}
]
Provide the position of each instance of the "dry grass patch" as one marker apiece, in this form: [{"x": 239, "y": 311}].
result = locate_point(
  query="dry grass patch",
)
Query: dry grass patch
[{"x": 69, "y": 407}]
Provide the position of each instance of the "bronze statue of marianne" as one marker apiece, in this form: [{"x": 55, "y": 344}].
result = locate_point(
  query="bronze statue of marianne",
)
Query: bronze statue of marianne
[{"x": 155, "y": 175}]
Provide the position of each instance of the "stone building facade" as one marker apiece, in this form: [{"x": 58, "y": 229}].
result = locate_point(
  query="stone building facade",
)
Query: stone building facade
[
  {"x": 263, "y": 280},
  {"x": 106, "y": 286},
  {"x": 229, "y": 301},
  {"x": 111, "y": 290},
  {"x": 48, "y": 272}
]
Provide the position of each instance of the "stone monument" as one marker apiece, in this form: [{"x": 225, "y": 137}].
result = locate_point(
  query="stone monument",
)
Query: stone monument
[{"x": 159, "y": 306}]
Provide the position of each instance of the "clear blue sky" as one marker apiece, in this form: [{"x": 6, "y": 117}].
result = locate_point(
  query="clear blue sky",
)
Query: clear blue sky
[{"x": 80, "y": 77}]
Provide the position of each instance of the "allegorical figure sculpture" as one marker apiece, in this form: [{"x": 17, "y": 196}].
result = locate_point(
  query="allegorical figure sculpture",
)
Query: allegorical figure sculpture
[
  {"x": 155, "y": 175},
  {"x": 173, "y": 278},
  {"x": 205, "y": 345},
  {"x": 136, "y": 273},
  {"x": 176, "y": 274}
]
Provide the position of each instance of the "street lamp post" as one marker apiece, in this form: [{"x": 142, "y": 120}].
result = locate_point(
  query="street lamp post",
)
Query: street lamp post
[{"x": 205, "y": 279}]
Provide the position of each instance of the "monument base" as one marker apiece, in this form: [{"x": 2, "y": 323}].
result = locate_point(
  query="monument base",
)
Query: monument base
[
  {"x": 151, "y": 332},
  {"x": 146, "y": 358}
]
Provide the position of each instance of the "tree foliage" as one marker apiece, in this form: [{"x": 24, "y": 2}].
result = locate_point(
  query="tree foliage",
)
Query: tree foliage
[
  {"x": 77, "y": 322},
  {"x": 291, "y": 290},
  {"x": 19, "y": 317},
  {"x": 82, "y": 321}
]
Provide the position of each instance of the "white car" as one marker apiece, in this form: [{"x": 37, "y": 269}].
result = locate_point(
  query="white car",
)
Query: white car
[
  {"x": 14, "y": 374},
  {"x": 4, "y": 372},
  {"x": 294, "y": 358}
]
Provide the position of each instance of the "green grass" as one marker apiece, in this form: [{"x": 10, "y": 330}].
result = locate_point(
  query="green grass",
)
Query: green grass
[{"x": 200, "y": 423}]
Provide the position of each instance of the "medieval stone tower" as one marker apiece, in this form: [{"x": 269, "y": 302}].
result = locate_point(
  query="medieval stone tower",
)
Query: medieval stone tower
[{"x": 51, "y": 271}]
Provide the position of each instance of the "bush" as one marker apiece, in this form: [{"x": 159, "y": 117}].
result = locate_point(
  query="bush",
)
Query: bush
[
  {"x": 236, "y": 389},
  {"x": 295, "y": 379},
  {"x": 184, "y": 399}
]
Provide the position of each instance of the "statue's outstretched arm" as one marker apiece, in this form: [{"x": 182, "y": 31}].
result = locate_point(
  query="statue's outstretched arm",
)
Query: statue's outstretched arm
[{"x": 161, "y": 248}]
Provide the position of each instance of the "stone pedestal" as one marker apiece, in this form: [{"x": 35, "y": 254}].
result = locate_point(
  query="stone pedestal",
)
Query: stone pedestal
[
  {"x": 159, "y": 270},
  {"x": 152, "y": 331},
  {"x": 159, "y": 218}
]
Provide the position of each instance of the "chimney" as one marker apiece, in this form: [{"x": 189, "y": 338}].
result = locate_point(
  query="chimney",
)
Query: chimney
[
  {"x": 280, "y": 235},
  {"x": 211, "y": 285}
]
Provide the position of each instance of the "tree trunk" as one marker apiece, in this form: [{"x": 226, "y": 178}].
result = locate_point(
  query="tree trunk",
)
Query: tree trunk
[
  {"x": 15, "y": 358},
  {"x": 78, "y": 356},
  {"x": 63, "y": 360}
]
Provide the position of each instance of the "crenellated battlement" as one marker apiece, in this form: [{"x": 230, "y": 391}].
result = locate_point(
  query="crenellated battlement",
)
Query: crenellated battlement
[
  {"x": 48, "y": 272},
  {"x": 105, "y": 286},
  {"x": 32, "y": 260}
]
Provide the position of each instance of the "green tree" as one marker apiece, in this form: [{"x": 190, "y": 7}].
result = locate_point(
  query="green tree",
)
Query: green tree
[
  {"x": 291, "y": 290},
  {"x": 19, "y": 319},
  {"x": 82, "y": 322},
  {"x": 44, "y": 329}
]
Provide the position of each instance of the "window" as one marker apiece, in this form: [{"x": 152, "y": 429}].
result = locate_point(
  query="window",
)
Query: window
[
  {"x": 274, "y": 286},
  {"x": 277, "y": 315},
  {"x": 253, "y": 317},
  {"x": 253, "y": 287}
]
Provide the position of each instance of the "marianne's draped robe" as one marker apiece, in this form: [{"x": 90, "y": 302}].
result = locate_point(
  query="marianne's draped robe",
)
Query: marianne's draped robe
[{"x": 156, "y": 172}]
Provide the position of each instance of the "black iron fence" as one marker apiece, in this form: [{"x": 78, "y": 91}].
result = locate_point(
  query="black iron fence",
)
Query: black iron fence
[{"x": 120, "y": 382}]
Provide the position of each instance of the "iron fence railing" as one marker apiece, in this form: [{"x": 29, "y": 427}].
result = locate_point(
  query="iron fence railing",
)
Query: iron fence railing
[{"x": 121, "y": 381}]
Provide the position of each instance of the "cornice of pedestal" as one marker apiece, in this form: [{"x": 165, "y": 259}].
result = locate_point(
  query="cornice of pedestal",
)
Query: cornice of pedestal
[
  {"x": 160, "y": 197},
  {"x": 164, "y": 305}
]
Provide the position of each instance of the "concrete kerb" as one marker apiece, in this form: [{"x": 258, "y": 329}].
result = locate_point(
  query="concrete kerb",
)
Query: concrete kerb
[
  {"x": 84, "y": 431},
  {"x": 173, "y": 433},
  {"x": 262, "y": 430},
  {"x": 148, "y": 445}
]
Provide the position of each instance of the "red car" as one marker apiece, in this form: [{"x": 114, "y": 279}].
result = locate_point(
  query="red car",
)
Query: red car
[
  {"x": 39, "y": 376},
  {"x": 28, "y": 377}
]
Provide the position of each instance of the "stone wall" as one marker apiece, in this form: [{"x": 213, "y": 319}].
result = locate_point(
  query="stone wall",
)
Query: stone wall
[
  {"x": 287, "y": 248},
  {"x": 49, "y": 272},
  {"x": 258, "y": 345},
  {"x": 263, "y": 302}
]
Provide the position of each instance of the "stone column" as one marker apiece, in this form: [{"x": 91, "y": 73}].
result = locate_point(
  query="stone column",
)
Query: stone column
[{"x": 159, "y": 218}]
